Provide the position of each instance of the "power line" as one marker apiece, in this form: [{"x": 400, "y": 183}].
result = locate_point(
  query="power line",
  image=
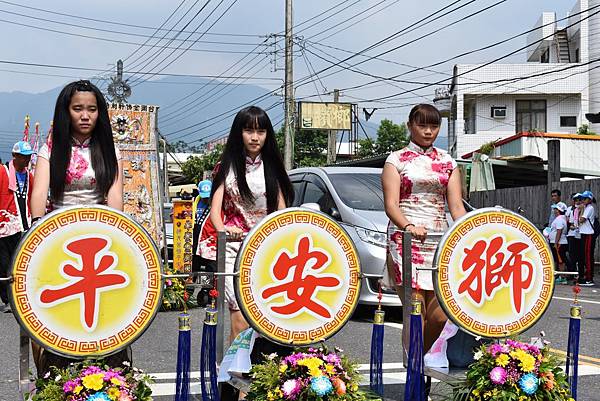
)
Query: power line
[
  {"x": 181, "y": 54},
  {"x": 122, "y": 23}
]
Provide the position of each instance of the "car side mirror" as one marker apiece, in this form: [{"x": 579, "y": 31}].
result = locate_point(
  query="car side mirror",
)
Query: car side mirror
[{"x": 335, "y": 214}]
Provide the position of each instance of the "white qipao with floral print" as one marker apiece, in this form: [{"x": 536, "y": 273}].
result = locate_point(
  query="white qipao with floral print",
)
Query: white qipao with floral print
[{"x": 424, "y": 175}]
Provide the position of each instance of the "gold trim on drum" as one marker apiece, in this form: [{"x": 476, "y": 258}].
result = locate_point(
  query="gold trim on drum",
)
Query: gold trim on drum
[
  {"x": 495, "y": 274},
  {"x": 87, "y": 281},
  {"x": 299, "y": 277}
]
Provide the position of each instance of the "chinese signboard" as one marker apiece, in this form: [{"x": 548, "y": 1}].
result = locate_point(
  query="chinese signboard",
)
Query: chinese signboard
[
  {"x": 299, "y": 277},
  {"x": 183, "y": 226},
  {"x": 87, "y": 281},
  {"x": 134, "y": 132},
  {"x": 327, "y": 116},
  {"x": 495, "y": 273}
]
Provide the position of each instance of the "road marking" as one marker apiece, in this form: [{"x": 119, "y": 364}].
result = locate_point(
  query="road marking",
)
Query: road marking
[
  {"x": 585, "y": 301},
  {"x": 584, "y": 357}
]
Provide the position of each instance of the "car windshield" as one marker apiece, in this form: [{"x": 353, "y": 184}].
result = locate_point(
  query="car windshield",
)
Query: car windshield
[{"x": 359, "y": 191}]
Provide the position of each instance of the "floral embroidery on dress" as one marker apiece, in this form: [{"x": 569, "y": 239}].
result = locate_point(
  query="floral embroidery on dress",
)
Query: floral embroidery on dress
[
  {"x": 77, "y": 167},
  {"x": 424, "y": 176}
]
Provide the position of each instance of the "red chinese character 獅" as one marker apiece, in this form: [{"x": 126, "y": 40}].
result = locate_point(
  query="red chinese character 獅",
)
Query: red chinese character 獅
[
  {"x": 93, "y": 273},
  {"x": 299, "y": 281},
  {"x": 493, "y": 265}
]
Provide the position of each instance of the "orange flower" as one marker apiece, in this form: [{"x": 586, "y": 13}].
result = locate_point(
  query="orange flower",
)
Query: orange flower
[
  {"x": 549, "y": 380},
  {"x": 340, "y": 386}
]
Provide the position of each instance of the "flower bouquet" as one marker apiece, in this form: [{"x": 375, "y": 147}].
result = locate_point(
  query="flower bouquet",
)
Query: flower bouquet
[
  {"x": 513, "y": 370},
  {"x": 92, "y": 382},
  {"x": 175, "y": 296},
  {"x": 314, "y": 374}
]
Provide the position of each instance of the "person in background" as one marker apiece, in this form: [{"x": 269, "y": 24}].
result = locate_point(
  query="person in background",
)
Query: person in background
[
  {"x": 558, "y": 239},
  {"x": 555, "y": 195},
  {"x": 573, "y": 236},
  {"x": 16, "y": 183},
  {"x": 418, "y": 181},
  {"x": 81, "y": 166},
  {"x": 586, "y": 218},
  {"x": 200, "y": 210}
]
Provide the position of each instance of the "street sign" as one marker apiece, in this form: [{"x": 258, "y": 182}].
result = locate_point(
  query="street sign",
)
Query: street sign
[
  {"x": 87, "y": 281},
  {"x": 495, "y": 273},
  {"x": 299, "y": 277},
  {"x": 183, "y": 230},
  {"x": 325, "y": 116}
]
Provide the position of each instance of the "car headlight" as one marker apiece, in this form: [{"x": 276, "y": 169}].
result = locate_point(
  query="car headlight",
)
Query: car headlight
[{"x": 372, "y": 237}]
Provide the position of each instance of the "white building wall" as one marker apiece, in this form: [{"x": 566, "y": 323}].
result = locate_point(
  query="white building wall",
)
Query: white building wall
[
  {"x": 579, "y": 154},
  {"x": 493, "y": 129},
  {"x": 594, "y": 54}
]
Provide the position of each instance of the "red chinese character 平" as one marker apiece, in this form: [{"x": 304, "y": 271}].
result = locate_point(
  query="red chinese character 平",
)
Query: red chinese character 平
[
  {"x": 299, "y": 281},
  {"x": 92, "y": 274},
  {"x": 493, "y": 265}
]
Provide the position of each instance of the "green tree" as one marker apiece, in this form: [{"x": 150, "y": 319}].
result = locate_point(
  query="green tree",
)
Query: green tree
[
  {"x": 194, "y": 167},
  {"x": 310, "y": 147},
  {"x": 390, "y": 137}
]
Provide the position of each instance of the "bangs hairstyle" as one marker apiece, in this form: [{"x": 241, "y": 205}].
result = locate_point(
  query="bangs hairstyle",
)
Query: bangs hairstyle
[
  {"x": 234, "y": 158},
  {"x": 425, "y": 114},
  {"x": 102, "y": 147}
]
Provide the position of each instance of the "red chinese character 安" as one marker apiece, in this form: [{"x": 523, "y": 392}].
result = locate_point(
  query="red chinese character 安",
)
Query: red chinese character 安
[
  {"x": 491, "y": 266},
  {"x": 95, "y": 274},
  {"x": 301, "y": 287}
]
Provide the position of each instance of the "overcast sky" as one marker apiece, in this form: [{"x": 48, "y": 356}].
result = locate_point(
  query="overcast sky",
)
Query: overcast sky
[{"x": 367, "y": 22}]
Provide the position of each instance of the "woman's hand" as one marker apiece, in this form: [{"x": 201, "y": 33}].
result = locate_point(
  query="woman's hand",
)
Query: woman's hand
[
  {"x": 418, "y": 232},
  {"x": 234, "y": 233}
]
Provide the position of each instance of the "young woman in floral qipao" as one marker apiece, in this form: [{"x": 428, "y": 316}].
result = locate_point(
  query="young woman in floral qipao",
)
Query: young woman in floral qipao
[
  {"x": 79, "y": 166},
  {"x": 418, "y": 181},
  {"x": 249, "y": 183}
]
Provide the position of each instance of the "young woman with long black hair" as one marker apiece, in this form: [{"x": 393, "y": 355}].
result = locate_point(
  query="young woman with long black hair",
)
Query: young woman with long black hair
[
  {"x": 250, "y": 182},
  {"x": 78, "y": 166}
]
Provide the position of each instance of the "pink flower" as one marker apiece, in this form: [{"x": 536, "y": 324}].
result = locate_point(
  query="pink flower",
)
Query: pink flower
[
  {"x": 77, "y": 167},
  {"x": 406, "y": 186},
  {"x": 291, "y": 388},
  {"x": 498, "y": 375},
  {"x": 69, "y": 386},
  {"x": 407, "y": 156}
]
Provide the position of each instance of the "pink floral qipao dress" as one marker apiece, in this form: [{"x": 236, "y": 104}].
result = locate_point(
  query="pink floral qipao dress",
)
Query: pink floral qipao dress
[{"x": 424, "y": 175}]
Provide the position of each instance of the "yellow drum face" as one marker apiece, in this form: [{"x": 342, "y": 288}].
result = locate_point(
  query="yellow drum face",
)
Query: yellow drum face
[
  {"x": 495, "y": 273},
  {"x": 87, "y": 281},
  {"x": 299, "y": 277}
]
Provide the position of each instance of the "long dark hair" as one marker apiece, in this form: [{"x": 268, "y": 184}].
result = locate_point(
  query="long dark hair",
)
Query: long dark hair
[
  {"x": 102, "y": 147},
  {"x": 276, "y": 178},
  {"x": 424, "y": 114}
]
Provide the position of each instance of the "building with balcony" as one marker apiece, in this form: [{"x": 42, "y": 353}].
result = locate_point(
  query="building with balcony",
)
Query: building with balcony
[{"x": 550, "y": 92}]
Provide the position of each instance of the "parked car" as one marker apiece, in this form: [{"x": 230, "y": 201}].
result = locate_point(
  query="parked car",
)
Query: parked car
[{"x": 353, "y": 196}]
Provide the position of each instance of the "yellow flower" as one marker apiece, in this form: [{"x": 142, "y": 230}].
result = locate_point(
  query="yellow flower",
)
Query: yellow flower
[
  {"x": 113, "y": 393},
  {"x": 329, "y": 369},
  {"x": 476, "y": 392},
  {"x": 94, "y": 382},
  {"x": 270, "y": 396},
  {"x": 78, "y": 389},
  {"x": 315, "y": 372},
  {"x": 353, "y": 387},
  {"x": 502, "y": 360},
  {"x": 116, "y": 381},
  {"x": 527, "y": 363},
  {"x": 283, "y": 367},
  {"x": 278, "y": 392}
]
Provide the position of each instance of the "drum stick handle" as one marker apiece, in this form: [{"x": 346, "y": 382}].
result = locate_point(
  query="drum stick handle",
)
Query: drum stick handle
[
  {"x": 9, "y": 278},
  {"x": 186, "y": 275}
]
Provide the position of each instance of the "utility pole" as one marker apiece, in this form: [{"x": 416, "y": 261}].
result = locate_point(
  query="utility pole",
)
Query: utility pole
[
  {"x": 331, "y": 135},
  {"x": 288, "y": 107}
]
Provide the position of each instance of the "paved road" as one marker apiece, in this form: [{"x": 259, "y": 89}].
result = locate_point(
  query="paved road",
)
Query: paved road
[{"x": 155, "y": 350}]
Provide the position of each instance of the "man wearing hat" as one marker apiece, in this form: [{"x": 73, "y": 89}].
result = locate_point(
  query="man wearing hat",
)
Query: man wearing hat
[
  {"x": 586, "y": 229},
  {"x": 16, "y": 183}
]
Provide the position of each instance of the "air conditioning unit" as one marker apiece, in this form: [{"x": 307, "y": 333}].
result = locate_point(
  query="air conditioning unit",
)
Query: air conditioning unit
[{"x": 499, "y": 112}]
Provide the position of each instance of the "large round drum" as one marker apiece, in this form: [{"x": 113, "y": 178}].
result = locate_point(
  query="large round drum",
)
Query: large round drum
[
  {"x": 299, "y": 277},
  {"x": 87, "y": 281},
  {"x": 495, "y": 274}
]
